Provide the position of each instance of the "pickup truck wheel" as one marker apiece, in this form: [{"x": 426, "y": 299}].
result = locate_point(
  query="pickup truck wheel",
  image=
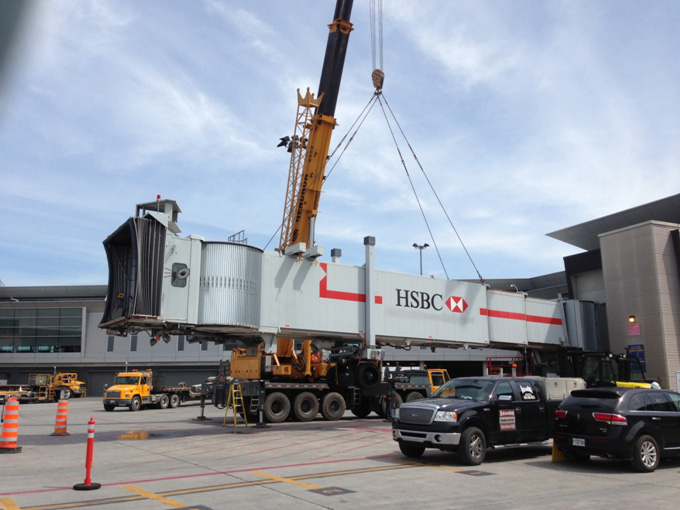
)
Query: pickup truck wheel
[
  {"x": 412, "y": 451},
  {"x": 333, "y": 406},
  {"x": 306, "y": 406},
  {"x": 413, "y": 395},
  {"x": 276, "y": 407},
  {"x": 136, "y": 404},
  {"x": 472, "y": 447},
  {"x": 109, "y": 407},
  {"x": 646, "y": 454},
  {"x": 174, "y": 400},
  {"x": 163, "y": 402}
]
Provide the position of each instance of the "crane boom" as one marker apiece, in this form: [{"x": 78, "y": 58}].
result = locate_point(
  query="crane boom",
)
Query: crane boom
[{"x": 311, "y": 140}]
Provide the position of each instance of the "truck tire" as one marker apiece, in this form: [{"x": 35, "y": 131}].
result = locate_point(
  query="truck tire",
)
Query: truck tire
[
  {"x": 306, "y": 406},
  {"x": 276, "y": 407},
  {"x": 163, "y": 402},
  {"x": 109, "y": 407},
  {"x": 135, "y": 404},
  {"x": 175, "y": 400},
  {"x": 395, "y": 405},
  {"x": 413, "y": 395},
  {"x": 412, "y": 451},
  {"x": 364, "y": 408},
  {"x": 333, "y": 406},
  {"x": 472, "y": 447},
  {"x": 368, "y": 376},
  {"x": 646, "y": 455}
]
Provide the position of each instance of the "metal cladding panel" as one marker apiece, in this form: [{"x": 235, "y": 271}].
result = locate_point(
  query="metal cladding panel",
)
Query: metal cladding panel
[
  {"x": 230, "y": 285},
  {"x": 321, "y": 298},
  {"x": 424, "y": 308},
  {"x": 515, "y": 318},
  {"x": 175, "y": 291},
  {"x": 330, "y": 299},
  {"x": 506, "y": 314},
  {"x": 545, "y": 324}
]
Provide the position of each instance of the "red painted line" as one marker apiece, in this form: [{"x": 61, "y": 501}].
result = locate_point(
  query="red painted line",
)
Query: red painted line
[
  {"x": 324, "y": 292},
  {"x": 242, "y": 470},
  {"x": 498, "y": 314}
]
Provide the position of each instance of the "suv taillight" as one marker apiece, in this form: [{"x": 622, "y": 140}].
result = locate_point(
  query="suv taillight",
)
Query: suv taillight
[
  {"x": 611, "y": 419},
  {"x": 560, "y": 414}
]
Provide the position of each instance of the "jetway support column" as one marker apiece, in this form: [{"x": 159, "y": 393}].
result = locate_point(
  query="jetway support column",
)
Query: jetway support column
[{"x": 371, "y": 351}]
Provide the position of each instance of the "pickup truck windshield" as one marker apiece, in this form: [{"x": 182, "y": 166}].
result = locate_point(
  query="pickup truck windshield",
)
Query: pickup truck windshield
[
  {"x": 465, "y": 389},
  {"x": 127, "y": 380}
]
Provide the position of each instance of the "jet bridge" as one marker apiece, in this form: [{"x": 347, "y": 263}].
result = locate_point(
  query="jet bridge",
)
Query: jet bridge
[{"x": 166, "y": 284}]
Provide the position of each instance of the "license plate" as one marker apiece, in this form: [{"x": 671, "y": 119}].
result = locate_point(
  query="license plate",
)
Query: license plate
[{"x": 578, "y": 441}]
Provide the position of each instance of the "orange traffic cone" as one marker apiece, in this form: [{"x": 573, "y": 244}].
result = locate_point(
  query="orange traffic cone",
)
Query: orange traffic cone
[
  {"x": 10, "y": 427},
  {"x": 62, "y": 419}
]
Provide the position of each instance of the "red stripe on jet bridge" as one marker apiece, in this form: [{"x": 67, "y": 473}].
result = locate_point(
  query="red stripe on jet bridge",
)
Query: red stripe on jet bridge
[
  {"x": 498, "y": 314},
  {"x": 324, "y": 292}
]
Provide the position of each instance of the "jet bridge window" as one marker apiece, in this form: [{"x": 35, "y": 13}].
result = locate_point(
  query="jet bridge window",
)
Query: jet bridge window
[{"x": 180, "y": 273}]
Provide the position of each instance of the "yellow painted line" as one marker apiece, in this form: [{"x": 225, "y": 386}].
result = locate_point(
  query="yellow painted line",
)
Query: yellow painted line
[
  {"x": 8, "y": 504},
  {"x": 155, "y": 497},
  {"x": 286, "y": 480},
  {"x": 197, "y": 490},
  {"x": 439, "y": 466}
]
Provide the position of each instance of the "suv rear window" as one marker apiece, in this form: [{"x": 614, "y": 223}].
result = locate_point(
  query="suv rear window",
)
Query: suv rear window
[{"x": 603, "y": 394}]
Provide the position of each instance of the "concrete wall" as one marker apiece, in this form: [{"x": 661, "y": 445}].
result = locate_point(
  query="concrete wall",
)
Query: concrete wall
[{"x": 640, "y": 272}]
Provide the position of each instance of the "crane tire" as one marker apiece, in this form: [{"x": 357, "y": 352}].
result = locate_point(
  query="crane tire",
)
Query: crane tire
[
  {"x": 368, "y": 375},
  {"x": 276, "y": 407},
  {"x": 306, "y": 406},
  {"x": 333, "y": 406}
]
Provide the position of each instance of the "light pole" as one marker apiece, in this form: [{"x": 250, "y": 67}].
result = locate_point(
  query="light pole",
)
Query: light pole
[{"x": 421, "y": 247}]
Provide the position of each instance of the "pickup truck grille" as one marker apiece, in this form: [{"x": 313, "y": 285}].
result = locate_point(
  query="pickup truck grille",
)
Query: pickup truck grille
[
  {"x": 416, "y": 415},
  {"x": 113, "y": 394}
]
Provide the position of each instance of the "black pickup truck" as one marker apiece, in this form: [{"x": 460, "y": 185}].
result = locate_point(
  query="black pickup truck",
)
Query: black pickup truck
[{"x": 469, "y": 414}]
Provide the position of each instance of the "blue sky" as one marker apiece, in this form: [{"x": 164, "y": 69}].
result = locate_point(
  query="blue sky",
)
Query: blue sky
[{"x": 527, "y": 117}]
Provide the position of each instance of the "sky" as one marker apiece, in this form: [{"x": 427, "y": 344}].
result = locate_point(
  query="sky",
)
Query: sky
[{"x": 526, "y": 117}]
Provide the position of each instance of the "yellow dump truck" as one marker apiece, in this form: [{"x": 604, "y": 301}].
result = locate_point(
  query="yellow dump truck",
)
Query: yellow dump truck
[{"x": 138, "y": 388}]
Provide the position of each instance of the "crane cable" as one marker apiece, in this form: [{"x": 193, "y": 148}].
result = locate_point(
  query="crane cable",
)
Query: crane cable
[
  {"x": 376, "y": 26},
  {"x": 481, "y": 279}
]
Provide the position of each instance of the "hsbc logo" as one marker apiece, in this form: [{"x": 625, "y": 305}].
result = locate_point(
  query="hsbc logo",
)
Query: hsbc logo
[
  {"x": 456, "y": 304},
  {"x": 426, "y": 301}
]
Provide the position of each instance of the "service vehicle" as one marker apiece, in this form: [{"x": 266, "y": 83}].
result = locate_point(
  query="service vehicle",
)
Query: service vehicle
[
  {"x": 468, "y": 414},
  {"x": 640, "y": 425},
  {"x": 45, "y": 388},
  {"x": 136, "y": 389}
]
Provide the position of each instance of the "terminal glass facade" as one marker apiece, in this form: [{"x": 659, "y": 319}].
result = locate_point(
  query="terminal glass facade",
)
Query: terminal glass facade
[{"x": 41, "y": 330}]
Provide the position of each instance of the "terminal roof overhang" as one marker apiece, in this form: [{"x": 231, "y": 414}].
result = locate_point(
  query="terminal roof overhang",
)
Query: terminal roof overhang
[{"x": 586, "y": 235}]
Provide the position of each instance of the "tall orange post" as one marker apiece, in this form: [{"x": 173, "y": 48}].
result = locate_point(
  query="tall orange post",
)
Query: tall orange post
[
  {"x": 61, "y": 421},
  {"x": 10, "y": 427}
]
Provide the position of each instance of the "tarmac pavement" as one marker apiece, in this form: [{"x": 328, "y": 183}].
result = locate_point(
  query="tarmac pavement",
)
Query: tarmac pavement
[{"x": 155, "y": 459}]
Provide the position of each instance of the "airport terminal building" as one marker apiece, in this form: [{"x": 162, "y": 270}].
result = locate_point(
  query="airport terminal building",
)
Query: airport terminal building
[{"x": 628, "y": 265}]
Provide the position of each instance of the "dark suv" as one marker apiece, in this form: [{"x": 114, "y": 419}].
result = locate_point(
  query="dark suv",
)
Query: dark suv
[{"x": 638, "y": 424}]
